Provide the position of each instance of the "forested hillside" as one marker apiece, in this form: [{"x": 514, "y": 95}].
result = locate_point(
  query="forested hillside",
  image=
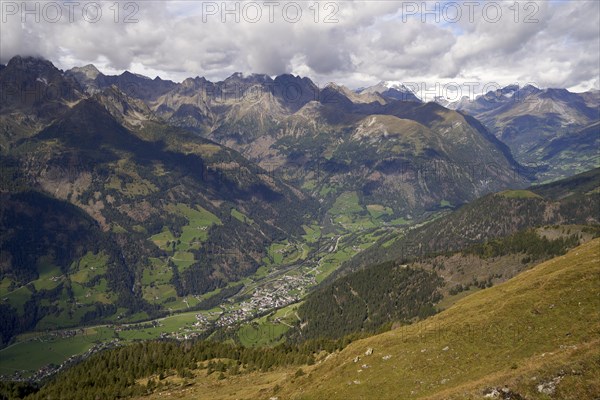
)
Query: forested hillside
[
  {"x": 574, "y": 200},
  {"x": 369, "y": 299}
]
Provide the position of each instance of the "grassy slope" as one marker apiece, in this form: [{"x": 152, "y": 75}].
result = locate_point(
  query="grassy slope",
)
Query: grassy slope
[
  {"x": 528, "y": 331},
  {"x": 492, "y": 337}
]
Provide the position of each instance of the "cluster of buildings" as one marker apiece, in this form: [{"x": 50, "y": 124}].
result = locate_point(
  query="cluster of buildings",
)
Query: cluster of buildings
[
  {"x": 280, "y": 293},
  {"x": 276, "y": 294}
]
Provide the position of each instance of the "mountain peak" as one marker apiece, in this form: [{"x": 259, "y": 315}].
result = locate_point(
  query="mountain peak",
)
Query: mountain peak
[
  {"x": 293, "y": 78},
  {"x": 332, "y": 86},
  {"x": 335, "y": 86},
  {"x": 529, "y": 89},
  {"x": 32, "y": 76},
  {"x": 194, "y": 82},
  {"x": 249, "y": 79},
  {"x": 128, "y": 74},
  {"x": 31, "y": 64},
  {"x": 393, "y": 90},
  {"x": 510, "y": 88},
  {"x": 395, "y": 85},
  {"x": 89, "y": 71},
  {"x": 288, "y": 76}
]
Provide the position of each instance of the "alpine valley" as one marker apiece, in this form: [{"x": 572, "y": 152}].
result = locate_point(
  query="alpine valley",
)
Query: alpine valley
[{"x": 263, "y": 237}]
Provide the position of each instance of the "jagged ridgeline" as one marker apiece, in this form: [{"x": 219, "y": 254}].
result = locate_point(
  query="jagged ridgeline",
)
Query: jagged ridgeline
[
  {"x": 398, "y": 154},
  {"x": 127, "y": 198},
  {"x": 182, "y": 215}
]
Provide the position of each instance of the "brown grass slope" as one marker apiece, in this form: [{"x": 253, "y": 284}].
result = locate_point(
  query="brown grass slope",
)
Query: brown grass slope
[{"x": 539, "y": 328}]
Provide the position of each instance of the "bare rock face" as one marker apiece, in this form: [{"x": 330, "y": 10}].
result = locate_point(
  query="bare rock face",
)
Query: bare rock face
[
  {"x": 501, "y": 393},
  {"x": 549, "y": 387}
]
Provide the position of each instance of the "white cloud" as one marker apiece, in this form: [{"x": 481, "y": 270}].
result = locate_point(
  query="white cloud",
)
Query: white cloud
[{"x": 371, "y": 40}]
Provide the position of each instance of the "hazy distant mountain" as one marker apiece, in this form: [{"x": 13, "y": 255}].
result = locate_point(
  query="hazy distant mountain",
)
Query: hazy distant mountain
[
  {"x": 392, "y": 91},
  {"x": 529, "y": 119},
  {"x": 453, "y": 105},
  {"x": 134, "y": 85}
]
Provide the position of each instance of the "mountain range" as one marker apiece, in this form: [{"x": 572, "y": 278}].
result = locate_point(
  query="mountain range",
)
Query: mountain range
[
  {"x": 552, "y": 129},
  {"x": 138, "y": 208},
  {"x": 385, "y": 144},
  {"x": 179, "y": 176}
]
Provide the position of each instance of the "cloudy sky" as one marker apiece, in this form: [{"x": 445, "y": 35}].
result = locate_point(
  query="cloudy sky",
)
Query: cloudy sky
[{"x": 356, "y": 43}]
